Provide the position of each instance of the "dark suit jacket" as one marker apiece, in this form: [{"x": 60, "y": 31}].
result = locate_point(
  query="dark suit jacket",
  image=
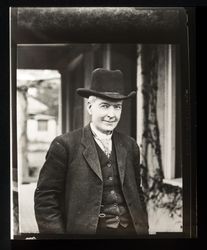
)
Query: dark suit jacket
[{"x": 69, "y": 190}]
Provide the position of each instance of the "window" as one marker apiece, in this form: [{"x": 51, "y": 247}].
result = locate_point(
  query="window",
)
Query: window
[{"x": 42, "y": 125}]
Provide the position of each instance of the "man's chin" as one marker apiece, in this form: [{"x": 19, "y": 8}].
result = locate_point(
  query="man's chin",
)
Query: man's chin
[{"x": 109, "y": 128}]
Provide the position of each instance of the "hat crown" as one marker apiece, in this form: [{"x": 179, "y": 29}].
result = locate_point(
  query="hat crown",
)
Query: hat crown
[
  {"x": 107, "y": 84},
  {"x": 104, "y": 80}
]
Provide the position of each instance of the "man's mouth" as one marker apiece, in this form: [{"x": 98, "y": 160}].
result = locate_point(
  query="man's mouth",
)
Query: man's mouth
[{"x": 110, "y": 122}]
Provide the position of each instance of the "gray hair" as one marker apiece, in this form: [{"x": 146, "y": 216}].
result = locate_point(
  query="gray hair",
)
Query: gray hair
[{"x": 91, "y": 99}]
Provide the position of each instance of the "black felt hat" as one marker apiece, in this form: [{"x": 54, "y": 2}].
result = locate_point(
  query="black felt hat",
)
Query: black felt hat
[{"x": 107, "y": 84}]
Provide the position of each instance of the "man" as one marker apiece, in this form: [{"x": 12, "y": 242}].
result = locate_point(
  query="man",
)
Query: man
[{"x": 90, "y": 182}]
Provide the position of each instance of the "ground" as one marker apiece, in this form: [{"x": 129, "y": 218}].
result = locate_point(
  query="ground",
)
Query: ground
[{"x": 26, "y": 208}]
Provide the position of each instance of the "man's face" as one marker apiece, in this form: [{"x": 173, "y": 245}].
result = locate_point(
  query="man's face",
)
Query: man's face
[{"x": 105, "y": 114}]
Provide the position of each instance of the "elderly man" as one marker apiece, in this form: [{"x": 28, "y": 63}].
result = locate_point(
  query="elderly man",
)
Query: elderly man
[{"x": 90, "y": 182}]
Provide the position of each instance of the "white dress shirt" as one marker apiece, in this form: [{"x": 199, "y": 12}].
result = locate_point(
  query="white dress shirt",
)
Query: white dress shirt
[{"x": 103, "y": 140}]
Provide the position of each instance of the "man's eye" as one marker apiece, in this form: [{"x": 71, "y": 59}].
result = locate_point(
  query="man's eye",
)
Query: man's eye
[
  {"x": 105, "y": 106},
  {"x": 118, "y": 107}
]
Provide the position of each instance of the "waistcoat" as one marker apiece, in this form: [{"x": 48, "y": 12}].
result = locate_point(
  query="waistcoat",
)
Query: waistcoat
[{"x": 113, "y": 208}]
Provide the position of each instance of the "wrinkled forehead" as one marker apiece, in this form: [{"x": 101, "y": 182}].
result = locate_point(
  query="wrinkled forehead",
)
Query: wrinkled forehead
[{"x": 110, "y": 102}]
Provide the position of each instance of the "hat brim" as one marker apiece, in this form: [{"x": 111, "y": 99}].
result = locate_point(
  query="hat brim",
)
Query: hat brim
[{"x": 111, "y": 96}]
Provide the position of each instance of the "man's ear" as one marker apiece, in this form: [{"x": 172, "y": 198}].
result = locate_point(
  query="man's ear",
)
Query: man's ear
[{"x": 89, "y": 106}]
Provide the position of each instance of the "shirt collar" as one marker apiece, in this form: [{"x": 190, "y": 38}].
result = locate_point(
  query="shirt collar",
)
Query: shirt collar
[{"x": 99, "y": 134}]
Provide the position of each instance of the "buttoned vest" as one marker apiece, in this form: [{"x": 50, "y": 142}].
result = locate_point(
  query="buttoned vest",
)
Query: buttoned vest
[{"x": 113, "y": 208}]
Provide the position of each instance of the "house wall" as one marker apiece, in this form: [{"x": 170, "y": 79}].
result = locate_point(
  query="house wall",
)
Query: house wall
[{"x": 34, "y": 134}]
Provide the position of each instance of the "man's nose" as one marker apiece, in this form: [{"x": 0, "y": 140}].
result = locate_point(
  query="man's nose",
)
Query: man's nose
[{"x": 111, "y": 111}]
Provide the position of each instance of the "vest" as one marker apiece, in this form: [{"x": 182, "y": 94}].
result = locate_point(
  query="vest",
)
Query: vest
[{"x": 113, "y": 209}]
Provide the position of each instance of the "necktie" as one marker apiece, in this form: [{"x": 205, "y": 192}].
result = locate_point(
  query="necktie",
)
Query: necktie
[{"x": 105, "y": 143}]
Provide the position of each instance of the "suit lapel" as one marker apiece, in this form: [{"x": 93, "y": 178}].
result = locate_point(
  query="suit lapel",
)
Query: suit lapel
[
  {"x": 121, "y": 154},
  {"x": 90, "y": 152}
]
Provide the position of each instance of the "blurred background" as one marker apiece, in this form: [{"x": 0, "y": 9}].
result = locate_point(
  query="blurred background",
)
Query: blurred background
[{"x": 38, "y": 122}]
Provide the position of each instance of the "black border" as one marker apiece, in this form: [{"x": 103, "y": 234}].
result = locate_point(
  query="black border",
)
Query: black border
[{"x": 5, "y": 129}]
